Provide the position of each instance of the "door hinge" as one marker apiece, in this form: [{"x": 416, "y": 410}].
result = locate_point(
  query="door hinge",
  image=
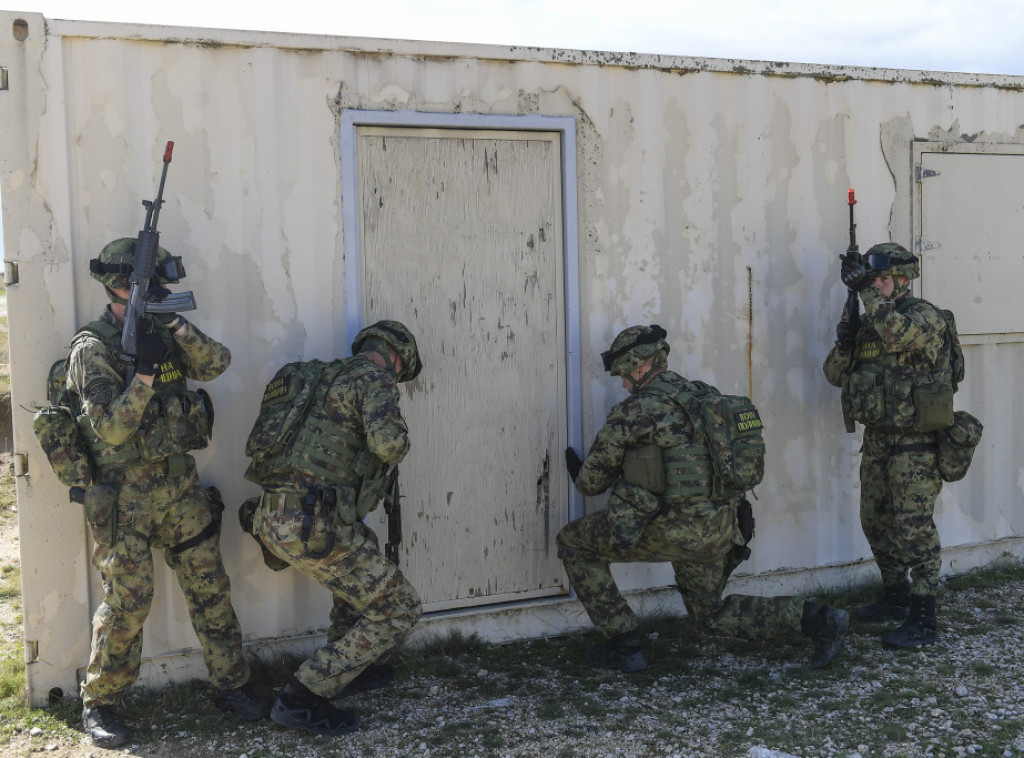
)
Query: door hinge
[
  {"x": 921, "y": 246},
  {"x": 921, "y": 173},
  {"x": 10, "y": 273},
  {"x": 21, "y": 464}
]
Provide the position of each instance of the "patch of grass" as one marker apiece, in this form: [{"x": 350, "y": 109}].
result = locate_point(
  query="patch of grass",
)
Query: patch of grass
[
  {"x": 995, "y": 575},
  {"x": 983, "y": 668}
]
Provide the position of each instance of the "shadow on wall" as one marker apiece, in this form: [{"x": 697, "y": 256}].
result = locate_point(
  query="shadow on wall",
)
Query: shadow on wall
[{"x": 6, "y": 431}]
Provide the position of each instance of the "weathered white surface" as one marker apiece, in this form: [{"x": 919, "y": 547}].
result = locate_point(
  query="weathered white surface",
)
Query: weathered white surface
[{"x": 711, "y": 200}]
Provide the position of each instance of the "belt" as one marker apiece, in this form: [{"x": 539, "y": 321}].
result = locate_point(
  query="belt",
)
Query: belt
[{"x": 296, "y": 501}]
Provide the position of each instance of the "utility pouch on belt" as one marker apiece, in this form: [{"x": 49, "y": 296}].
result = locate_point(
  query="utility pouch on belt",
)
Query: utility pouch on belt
[
  {"x": 933, "y": 406},
  {"x": 56, "y": 430},
  {"x": 246, "y": 514},
  {"x": 956, "y": 446},
  {"x": 645, "y": 467},
  {"x": 100, "y": 504}
]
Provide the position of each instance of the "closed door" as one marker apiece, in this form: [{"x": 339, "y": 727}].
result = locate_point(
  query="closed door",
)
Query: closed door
[{"x": 461, "y": 239}]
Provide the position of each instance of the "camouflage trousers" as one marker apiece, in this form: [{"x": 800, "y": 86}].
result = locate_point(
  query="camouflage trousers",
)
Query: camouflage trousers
[
  {"x": 699, "y": 547},
  {"x": 898, "y": 490},
  {"x": 375, "y": 606},
  {"x": 155, "y": 510}
]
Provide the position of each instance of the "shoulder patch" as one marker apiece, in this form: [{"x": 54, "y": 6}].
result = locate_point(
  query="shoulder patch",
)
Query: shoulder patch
[{"x": 100, "y": 392}]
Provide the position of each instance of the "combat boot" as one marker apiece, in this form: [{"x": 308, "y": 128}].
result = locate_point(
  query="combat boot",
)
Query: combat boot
[
  {"x": 624, "y": 652},
  {"x": 373, "y": 677},
  {"x": 894, "y": 605},
  {"x": 920, "y": 628},
  {"x": 104, "y": 727},
  {"x": 826, "y": 626},
  {"x": 243, "y": 702},
  {"x": 299, "y": 708}
]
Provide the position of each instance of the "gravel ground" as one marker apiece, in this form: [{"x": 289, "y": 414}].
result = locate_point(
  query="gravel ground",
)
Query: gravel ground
[{"x": 964, "y": 696}]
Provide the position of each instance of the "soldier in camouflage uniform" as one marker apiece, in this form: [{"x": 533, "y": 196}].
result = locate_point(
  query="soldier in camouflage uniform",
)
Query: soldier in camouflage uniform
[
  {"x": 316, "y": 492},
  {"x": 145, "y": 494},
  {"x": 878, "y": 360},
  {"x": 684, "y": 524}
]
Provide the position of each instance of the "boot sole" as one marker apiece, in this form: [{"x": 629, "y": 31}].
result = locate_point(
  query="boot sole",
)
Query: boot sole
[{"x": 289, "y": 720}]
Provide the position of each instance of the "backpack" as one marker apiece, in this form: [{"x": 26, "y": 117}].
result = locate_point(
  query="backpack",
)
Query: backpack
[
  {"x": 285, "y": 405},
  {"x": 56, "y": 425},
  {"x": 733, "y": 430}
]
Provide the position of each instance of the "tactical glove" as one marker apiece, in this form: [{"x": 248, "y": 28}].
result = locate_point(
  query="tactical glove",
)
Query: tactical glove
[
  {"x": 169, "y": 318},
  {"x": 150, "y": 352},
  {"x": 573, "y": 463},
  {"x": 849, "y": 324},
  {"x": 854, "y": 274}
]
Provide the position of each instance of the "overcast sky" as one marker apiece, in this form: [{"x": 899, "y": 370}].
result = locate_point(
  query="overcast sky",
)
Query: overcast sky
[{"x": 984, "y": 36}]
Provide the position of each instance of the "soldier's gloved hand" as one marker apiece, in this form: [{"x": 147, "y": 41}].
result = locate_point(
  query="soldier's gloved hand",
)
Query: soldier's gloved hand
[
  {"x": 846, "y": 331},
  {"x": 849, "y": 324},
  {"x": 573, "y": 463},
  {"x": 150, "y": 352},
  {"x": 854, "y": 274},
  {"x": 168, "y": 318}
]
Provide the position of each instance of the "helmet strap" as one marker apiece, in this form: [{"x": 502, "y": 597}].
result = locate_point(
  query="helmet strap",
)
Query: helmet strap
[{"x": 114, "y": 298}]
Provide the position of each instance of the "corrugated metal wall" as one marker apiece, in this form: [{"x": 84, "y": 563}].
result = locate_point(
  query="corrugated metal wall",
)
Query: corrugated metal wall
[{"x": 711, "y": 200}]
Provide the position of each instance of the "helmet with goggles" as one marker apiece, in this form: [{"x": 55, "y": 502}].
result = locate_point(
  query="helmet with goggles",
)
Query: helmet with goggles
[
  {"x": 892, "y": 259},
  {"x": 632, "y": 347},
  {"x": 114, "y": 265}
]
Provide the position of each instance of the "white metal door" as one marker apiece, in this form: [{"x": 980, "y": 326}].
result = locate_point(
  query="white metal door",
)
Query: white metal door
[
  {"x": 461, "y": 239},
  {"x": 972, "y": 240}
]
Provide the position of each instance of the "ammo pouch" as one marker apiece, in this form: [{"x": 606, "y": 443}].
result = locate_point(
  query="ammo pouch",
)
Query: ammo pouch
[
  {"x": 933, "y": 405},
  {"x": 630, "y": 508},
  {"x": 864, "y": 394},
  {"x": 100, "y": 503},
  {"x": 645, "y": 467},
  {"x": 176, "y": 423},
  {"x": 956, "y": 446},
  {"x": 57, "y": 431},
  {"x": 246, "y": 514}
]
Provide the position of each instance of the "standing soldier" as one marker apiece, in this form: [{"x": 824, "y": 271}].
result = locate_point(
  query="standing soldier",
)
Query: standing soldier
[
  {"x": 883, "y": 361},
  {"x": 684, "y": 523},
  {"x": 339, "y": 459},
  {"x": 146, "y": 494}
]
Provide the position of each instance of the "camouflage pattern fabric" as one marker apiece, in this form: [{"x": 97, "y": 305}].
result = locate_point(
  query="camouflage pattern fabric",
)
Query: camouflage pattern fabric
[
  {"x": 698, "y": 546},
  {"x": 374, "y": 605},
  {"x": 160, "y": 505},
  {"x": 96, "y": 372},
  {"x": 899, "y": 486},
  {"x": 154, "y": 511},
  {"x": 696, "y": 535},
  {"x": 897, "y": 504}
]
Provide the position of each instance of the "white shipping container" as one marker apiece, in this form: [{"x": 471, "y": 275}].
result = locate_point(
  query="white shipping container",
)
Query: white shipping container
[{"x": 516, "y": 207}]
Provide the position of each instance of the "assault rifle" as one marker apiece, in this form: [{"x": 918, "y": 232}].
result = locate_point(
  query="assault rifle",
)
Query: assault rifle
[
  {"x": 393, "y": 509},
  {"x": 146, "y": 295},
  {"x": 851, "y": 310}
]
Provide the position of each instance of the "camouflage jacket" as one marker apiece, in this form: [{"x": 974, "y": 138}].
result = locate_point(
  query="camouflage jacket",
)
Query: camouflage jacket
[
  {"x": 114, "y": 416},
  {"x": 900, "y": 343},
  {"x": 646, "y": 417},
  {"x": 358, "y": 411}
]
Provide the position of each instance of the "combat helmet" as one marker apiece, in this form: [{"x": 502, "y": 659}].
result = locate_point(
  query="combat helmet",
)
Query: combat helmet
[
  {"x": 114, "y": 265},
  {"x": 632, "y": 347},
  {"x": 892, "y": 259},
  {"x": 399, "y": 338}
]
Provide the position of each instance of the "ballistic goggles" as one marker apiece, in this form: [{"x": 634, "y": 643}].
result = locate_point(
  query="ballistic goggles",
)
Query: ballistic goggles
[
  {"x": 169, "y": 269},
  {"x": 883, "y": 261}
]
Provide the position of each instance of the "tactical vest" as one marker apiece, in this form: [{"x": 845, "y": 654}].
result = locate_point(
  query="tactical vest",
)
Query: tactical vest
[
  {"x": 689, "y": 473},
  {"x": 321, "y": 450},
  {"x": 175, "y": 420},
  {"x": 902, "y": 391}
]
